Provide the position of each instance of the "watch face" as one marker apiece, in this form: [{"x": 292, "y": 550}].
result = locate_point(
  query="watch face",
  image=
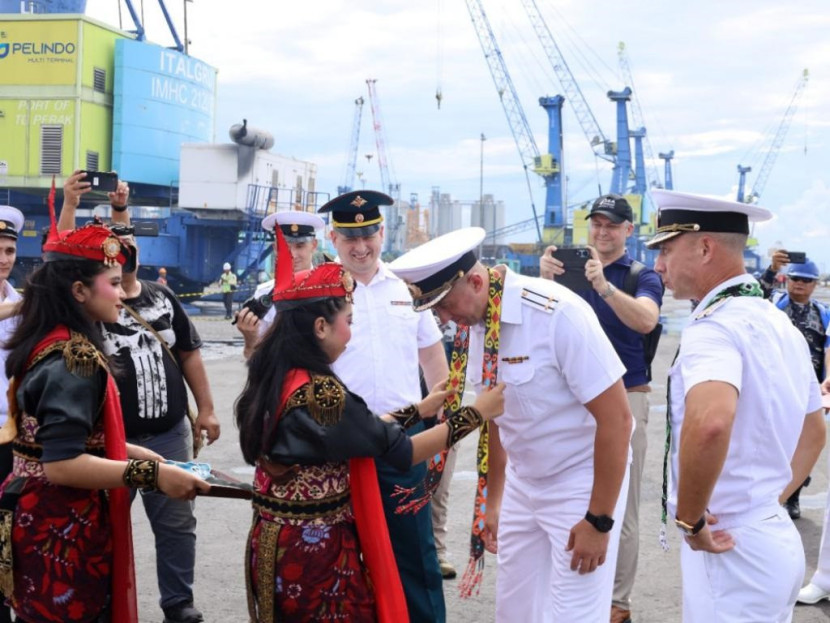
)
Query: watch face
[{"x": 602, "y": 523}]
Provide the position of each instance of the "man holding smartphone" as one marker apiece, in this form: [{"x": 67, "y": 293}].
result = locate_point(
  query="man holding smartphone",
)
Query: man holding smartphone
[
  {"x": 300, "y": 231},
  {"x": 626, "y": 317},
  {"x": 810, "y": 316}
]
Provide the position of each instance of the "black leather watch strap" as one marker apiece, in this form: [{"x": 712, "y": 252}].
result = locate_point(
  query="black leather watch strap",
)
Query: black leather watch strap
[
  {"x": 689, "y": 529},
  {"x": 603, "y": 523}
]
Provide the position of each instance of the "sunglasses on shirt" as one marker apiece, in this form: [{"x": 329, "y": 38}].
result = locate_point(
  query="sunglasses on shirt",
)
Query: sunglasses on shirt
[{"x": 802, "y": 279}]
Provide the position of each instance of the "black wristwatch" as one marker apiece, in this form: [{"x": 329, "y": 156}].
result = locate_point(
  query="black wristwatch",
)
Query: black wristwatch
[
  {"x": 603, "y": 523},
  {"x": 688, "y": 529}
]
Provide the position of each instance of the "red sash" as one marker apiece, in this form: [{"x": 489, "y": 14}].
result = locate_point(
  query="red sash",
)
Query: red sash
[
  {"x": 124, "y": 604},
  {"x": 370, "y": 522}
]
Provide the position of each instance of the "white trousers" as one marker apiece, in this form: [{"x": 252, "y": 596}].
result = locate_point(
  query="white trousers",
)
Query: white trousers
[
  {"x": 757, "y": 580},
  {"x": 535, "y": 582},
  {"x": 821, "y": 577}
]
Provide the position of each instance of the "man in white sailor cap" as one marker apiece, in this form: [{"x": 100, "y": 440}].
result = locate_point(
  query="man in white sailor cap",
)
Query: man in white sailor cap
[
  {"x": 300, "y": 231},
  {"x": 745, "y": 417},
  {"x": 558, "y": 458},
  {"x": 11, "y": 224}
]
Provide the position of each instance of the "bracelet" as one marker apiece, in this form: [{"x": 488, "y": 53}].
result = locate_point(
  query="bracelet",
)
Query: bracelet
[
  {"x": 118, "y": 208},
  {"x": 408, "y": 416},
  {"x": 462, "y": 423},
  {"x": 142, "y": 474}
]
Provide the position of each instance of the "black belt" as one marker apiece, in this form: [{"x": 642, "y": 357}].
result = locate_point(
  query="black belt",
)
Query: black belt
[
  {"x": 34, "y": 452},
  {"x": 302, "y": 509}
]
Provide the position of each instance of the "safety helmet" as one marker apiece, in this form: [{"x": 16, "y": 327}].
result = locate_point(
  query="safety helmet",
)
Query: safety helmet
[{"x": 808, "y": 270}]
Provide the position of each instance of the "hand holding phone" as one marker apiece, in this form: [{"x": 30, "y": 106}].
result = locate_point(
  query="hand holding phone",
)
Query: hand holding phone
[
  {"x": 573, "y": 260},
  {"x": 102, "y": 181}
]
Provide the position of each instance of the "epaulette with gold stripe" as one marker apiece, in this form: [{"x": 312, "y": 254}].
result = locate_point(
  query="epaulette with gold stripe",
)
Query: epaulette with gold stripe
[
  {"x": 79, "y": 354},
  {"x": 539, "y": 301},
  {"x": 324, "y": 398}
]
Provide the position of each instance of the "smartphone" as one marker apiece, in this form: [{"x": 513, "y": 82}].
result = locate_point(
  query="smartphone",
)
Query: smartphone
[
  {"x": 573, "y": 259},
  {"x": 797, "y": 257},
  {"x": 102, "y": 181}
]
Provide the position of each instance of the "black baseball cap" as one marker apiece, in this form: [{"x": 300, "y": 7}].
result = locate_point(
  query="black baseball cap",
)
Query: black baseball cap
[{"x": 614, "y": 207}]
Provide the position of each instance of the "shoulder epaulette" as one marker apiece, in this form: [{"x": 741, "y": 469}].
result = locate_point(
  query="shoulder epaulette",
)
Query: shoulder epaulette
[
  {"x": 539, "y": 301},
  {"x": 324, "y": 397},
  {"x": 79, "y": 354}
]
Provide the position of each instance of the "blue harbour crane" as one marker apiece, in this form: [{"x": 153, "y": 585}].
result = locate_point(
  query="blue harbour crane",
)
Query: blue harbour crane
[
  {"x": 778, "y": 140},
  {"x": 637, "y": 121},
  {"x": 548, "y": 166},
  {"x": 618, "y": 153},
  {"x": 351, "y": 152},
  {"x": 667, "y": 157}
]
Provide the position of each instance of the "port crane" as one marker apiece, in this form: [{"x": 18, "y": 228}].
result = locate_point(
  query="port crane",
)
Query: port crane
[
  {"x": 638, "y": 121},
  {"x": 667, "y": 157},
  {"x": 775, "y": 147},
  {"x": 548, "y": 166},
  {"x": 387, "y": 178},
  {"x": 351, "y": 151}
]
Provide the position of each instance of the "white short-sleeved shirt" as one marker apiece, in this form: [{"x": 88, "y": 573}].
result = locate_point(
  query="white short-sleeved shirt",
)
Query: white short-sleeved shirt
[
  {"x": 748, "y": 343},
  {"x": 7, "y": 327},
  {"x": 380, "y": 363},
  {"x": 552, "y": 362}
]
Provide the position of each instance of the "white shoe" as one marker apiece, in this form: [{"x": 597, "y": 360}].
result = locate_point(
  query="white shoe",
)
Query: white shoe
[{"x": 812, "y": 594}]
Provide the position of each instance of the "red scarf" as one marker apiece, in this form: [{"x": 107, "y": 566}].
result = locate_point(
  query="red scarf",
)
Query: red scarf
[
  {"x": 370, "y": 522},
  {"x": 124, "y": 604}
]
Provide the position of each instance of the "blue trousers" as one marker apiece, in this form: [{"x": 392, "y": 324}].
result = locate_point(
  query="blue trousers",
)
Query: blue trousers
[
  {"x": 172, "y": 521},
  {"x": 413, "y": 544}
]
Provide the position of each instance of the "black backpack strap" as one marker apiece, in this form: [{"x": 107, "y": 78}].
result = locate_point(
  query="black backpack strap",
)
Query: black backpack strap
[{"x": 632, "y": 278}]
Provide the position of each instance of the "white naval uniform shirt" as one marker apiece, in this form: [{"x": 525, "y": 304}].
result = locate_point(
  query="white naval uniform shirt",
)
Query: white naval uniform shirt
[
  {"x": 380, "y": 363},
  {"x": 7, "y": 327},
  {"x": 552, "y": 362},
  {"x": 748, "y": 343}
]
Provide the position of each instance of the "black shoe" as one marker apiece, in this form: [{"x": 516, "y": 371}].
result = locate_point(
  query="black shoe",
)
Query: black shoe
[
  {"x": 183, "y": 612},
  {"x": 793, "y": 509}
]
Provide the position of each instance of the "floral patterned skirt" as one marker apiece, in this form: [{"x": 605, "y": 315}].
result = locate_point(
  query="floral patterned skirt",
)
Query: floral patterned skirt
[
  {"x": 305, "y": 573},
  {"x": 62, "y": 554}
]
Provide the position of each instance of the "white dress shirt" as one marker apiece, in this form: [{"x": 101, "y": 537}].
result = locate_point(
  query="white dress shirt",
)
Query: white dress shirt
[
  {"x": 748, "y": 343},
  {"x": 552, "y": 361},
  {"x": 380, "y": 363}
]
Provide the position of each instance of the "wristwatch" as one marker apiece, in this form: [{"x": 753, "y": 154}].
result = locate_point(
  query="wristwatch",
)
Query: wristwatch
[
  {"x": 603, "y": 523},
  {"x": 688, "y": 529},
  {"x": 608, "y": 291}
]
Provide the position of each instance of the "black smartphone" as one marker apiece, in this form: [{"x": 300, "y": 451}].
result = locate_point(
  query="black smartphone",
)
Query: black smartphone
[
  {"x": 573, "y": 259},
  {"x": 797, "y": 257},
  {"x": 102, "y": 181}
]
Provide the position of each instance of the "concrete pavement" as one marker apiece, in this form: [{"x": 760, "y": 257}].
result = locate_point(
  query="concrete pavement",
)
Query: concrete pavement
[{"x": 223, "y": 524}]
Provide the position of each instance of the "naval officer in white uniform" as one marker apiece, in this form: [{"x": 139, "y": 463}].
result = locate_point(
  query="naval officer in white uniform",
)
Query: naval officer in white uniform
[
  {"x": 300, "y": 231},
  {"x": 559, "y": 456},
  {"x": 745, "y": 416}
]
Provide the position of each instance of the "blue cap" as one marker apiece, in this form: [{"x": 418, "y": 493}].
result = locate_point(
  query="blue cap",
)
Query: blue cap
[{"x": 808, "y": 270}]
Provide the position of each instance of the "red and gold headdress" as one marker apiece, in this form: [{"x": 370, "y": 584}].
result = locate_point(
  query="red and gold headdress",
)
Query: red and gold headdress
[
  {"x": 292, "y": 290},
  {"x": 90, "y": 242}
]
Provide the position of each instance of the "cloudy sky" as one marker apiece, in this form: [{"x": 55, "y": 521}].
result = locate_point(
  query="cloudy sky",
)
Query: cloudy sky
[{"x": 713, "y": 79}]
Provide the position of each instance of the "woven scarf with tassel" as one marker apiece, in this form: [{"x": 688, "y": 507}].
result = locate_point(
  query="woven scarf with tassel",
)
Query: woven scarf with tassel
[
  {"x": 414, "y": 499},
  {"x": 474, "y": 573}
]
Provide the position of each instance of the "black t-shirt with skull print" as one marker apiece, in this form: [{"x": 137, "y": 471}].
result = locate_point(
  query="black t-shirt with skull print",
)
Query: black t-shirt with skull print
[{"x": 153, "y": 394}]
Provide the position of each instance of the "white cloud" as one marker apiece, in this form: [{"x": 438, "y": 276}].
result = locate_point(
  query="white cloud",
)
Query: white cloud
[{"x": 713, "y": 79}]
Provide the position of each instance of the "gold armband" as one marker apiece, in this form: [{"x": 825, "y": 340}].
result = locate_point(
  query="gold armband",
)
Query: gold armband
[
  {"x": 142, "y": 474},
  {"x": 462, "y": 423},
  {"x": 408, "y": 416}
]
